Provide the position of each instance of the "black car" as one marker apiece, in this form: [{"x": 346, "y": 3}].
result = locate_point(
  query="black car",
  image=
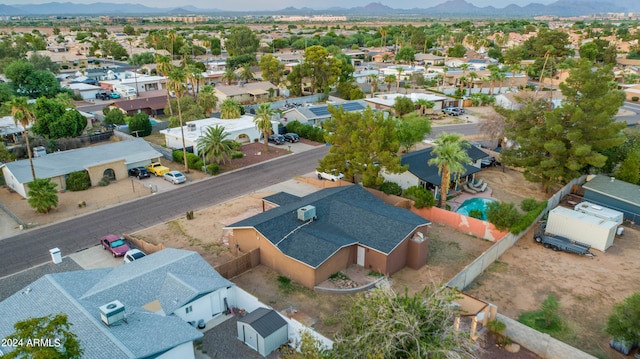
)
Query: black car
[
  {"x": 102, "y": 96},
  {"x": 291, "y": 137},
  {"x": 139, "y": 172},
  {"x": 277, "y": 139}
]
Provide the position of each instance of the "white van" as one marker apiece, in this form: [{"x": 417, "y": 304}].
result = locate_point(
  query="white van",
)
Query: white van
[{"x": 125, "y": 91}]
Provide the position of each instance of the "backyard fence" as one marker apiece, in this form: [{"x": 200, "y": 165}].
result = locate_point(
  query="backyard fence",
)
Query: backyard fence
[{"x": 239, "y": 265}]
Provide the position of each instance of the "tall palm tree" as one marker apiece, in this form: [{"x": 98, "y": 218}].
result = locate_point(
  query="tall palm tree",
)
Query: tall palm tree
[
  {"x": 173, "y": 36},
  {"x": 176, "y": 81},
  {"x": 389, "y": 79},
  {"x": 193, "y": 76},
  {"x": 229, "y": 108},
  {"x": 399, "y": 77},
  {"x": 163, "y": 66},
  {"x": 374, "y": 83},
  {"x": 472, "y": 77},
  {"x": 207, "y": 99},
  {"x": 450, "y": 157},
  {"x": 23, "y": 115},
  {"x": 229, "y": 75},
  {"x": 264, "y": 113},
  {"x": 215, "y": 145}
]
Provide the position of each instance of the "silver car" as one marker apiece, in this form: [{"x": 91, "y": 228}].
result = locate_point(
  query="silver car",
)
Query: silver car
[{"x": 175, "y": 177}]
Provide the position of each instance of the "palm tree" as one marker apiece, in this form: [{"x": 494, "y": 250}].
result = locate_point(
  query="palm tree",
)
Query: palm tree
[
  {"x": 24, "y": 116},
  {"x": 462, "y": 80},
  {"x": 472, "y": 77},
  {"x": 215, "y": 145},
  {"x": 246, "y": 74},
  {"x": 444, "y": 76},
  {"x": 264, "y": 113},
  {"x": 389, "y": 79},
  {"x": 207, "y": 99},
  {"x": 229, "y": 109},
  {"x": 163, "y": 66},
  {"x": 229, "y": 75},
  {"x": 176, "y": 81},
  {"x": 424, "y": 105},
  {"x": 450, "y": 157},
  {"x": 193, "y": 75},
  {"x": 172, "y": 35},
  {"x": 383, "y": 35},
  {"x": 399, "y": 77},
  {"x": 374, "y": 83},
  {"x": 42, "y": 195}
]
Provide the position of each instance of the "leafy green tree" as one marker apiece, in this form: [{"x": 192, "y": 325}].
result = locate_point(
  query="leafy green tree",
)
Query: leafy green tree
[
  {"x": 55, "y": 327},
  {"x": 323, "y": 69},
  {"x": 230, "y": 109},
  {"x": 624, "y": 321},
  {"x": 308, "y": 348},
  {"x": 412, "y": 129},
  {"x": 559, "y": 145},
  {"x": 554, "y": 41},
  {"x": 129, "y": 30},
  {"x": 142, "y": 59},
  {"x": 383, "y": 324},
  {"x": 42, "y": 195},
  {"x": 450, "y": 157},
  {"x": 26, "y": 80},
  {"x": 112, "y": 48},
  {"x": 22, "y": 114},
  {"x": 242, "y": 41},
  {"x": 457, "y": 51},
  {"x": 113, "y": 116},
  {"x": 629, "y": 170},
  {"x": 5, "y": 154},
  {"x": 403, "y": 105},
  {"x": 296, "y": 77},
  {"x": 262, "y": 119},
  {"x": 189, "y": 108},
  {"x": 55, "y": 120},
  {"x": 215, "y": 145},
  {"x": 589, "y": 51},
  {"x": 361, "y": 143},
  {"x": 406, "y": 54},
  {"x": 44, "y": 63},
  {"x": 421, "y": 197},
  {"x": 139, "y": 125},
  {"x": 503, "y": 215},
  {"x": 272, "y": 69},
  {"x": 207, "y": 99}
]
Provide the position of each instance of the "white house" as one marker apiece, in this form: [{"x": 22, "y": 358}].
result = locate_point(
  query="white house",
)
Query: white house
[
  {"x": 112, "y": 160},
  {"x": 386, "y": 101},
  {"x": 241, "y": 129},
  {"x": 137, "y": 310},
  {"x": 86, "y": 91}
]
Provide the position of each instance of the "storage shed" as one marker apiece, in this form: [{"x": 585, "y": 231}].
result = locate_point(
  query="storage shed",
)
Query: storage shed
[
  {"x": 597, "y": 232},
  {"x": 263, "y": 330}
]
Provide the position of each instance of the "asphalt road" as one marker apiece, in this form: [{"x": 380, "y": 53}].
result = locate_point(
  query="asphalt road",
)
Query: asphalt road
[{"x": 32, "y": 247}]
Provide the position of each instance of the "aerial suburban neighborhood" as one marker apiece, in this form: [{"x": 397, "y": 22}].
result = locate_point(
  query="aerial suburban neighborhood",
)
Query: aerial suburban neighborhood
[{"x": 448, "y": 181}]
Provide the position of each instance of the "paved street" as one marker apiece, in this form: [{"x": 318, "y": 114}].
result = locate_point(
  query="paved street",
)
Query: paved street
[{"x": 31, "y": 247}]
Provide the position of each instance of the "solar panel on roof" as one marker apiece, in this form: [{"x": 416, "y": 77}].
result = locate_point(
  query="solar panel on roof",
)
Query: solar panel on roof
[
  {"x": 319, "y": 111},
  {"x": 353, "y": 106}
]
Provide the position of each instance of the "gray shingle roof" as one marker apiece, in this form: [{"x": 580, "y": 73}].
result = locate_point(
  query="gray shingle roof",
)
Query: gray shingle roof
[
  {"x": 281, "y": 198},
  {"x": 620, "y": 190},
  {"x": 345, "y": 216},
  {"x": 173, "y": 277},
  {"x": 264, "y": 321},
  {"x": 64, "y": 162},
  {"x": 418, "y": 162}
]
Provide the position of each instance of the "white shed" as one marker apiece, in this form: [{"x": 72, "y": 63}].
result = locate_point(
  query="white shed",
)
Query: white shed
[
  {"x": 597, "y": 232},
  {"x": 263, "y": 330},
  {"x": 599, "y": 211}
]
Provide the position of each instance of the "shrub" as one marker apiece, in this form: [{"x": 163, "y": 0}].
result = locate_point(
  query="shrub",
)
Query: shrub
[
  {"x": 526, "y": 220},
  {"x": 503, "y": 215},
  {"x": 192, "y": 161},
  {"x": 528, "y": 204},
  {"x": 391, "y": 188},
  {"x": 78, "y": 181},
  {"x": 236, "y": 154},
  {"x": 177, "y": 156},
  {"x": 635, "y": 98},
  {"x": 422, "y": 197},
  {"x": 306, "y": 131},
  {"x": 475, "y": 213},
  {"x": 213, "y": 168}
]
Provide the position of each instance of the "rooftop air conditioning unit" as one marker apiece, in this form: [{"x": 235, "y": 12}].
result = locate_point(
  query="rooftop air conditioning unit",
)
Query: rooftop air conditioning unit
[
  {"x": 112, "y": 312},
  {"x": 306, "y": 213},
  {"x": 39, "y": 151},
  {"x": 191, "y": 126}
]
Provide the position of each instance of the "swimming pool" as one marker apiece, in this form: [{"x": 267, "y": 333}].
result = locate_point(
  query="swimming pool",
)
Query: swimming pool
[{"x": 481, "y": 204}]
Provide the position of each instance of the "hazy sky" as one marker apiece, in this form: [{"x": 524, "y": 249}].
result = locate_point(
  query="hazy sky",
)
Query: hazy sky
[{"x": 240, "y": 5}]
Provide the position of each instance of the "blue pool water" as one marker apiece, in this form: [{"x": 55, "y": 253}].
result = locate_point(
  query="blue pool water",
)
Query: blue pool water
[
  {"x": 152, "y": 121},
  {"x": 480, "y": 204}
]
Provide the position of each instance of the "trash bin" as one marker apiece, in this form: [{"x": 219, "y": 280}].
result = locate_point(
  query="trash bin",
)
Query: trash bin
[{"x": 56, "y": 257}]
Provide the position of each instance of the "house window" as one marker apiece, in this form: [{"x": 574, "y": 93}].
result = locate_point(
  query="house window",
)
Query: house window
[{"x": 189, "y": 309}]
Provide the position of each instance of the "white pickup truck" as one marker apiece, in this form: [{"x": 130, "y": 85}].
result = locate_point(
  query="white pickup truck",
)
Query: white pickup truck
[{"x": 331, "y": 176}]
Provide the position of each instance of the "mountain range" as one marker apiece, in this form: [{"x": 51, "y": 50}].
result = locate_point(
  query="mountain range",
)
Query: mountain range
[{"x": 451, "y": 8}]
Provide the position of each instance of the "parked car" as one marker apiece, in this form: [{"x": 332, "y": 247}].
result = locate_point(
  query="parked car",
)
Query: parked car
[
  {"x": 114, "y": 95},
  {"x": 133, "y": 255},
  {"x": 139, "y": 172},
  {"x": 102, "y": 96},
  {"x": 333, "y": 175},
  {"x": 115, "y": 244},
  {"x": 453, "y": 111},
  {"x": 277, "y": 139},
  {"x": 291, "y": 137},
  {"x": 175, "y": 177},
  {"x": 157, "y": 169}
]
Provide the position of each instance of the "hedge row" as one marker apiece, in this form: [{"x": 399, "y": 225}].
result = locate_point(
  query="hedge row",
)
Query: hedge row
[
  {"x": 306, "y": 131},
  {"x": 526, "y": 220}
]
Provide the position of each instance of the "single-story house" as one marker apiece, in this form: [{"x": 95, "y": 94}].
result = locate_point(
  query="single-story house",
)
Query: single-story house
[
  {"x": 241, "y": 129},
  {"x": 386, "y": 101},
  {"x": 263, "y": 330},
  {"x": 9, "y": 129},
  {"x": 514, "y": 100},
  {"x": 316, "y": 114},
  {"x": 310, "y": 238},
  {"x": 86, "y": 91},
  {"x": 250, "y": 92},
  {"x": 138, "y": 310},
  {"x": 152, "y": 106},
  {"x": 615, "y": 194},
  {"x": 421, "y": 173},
  {"x": 112, "y": 160}
]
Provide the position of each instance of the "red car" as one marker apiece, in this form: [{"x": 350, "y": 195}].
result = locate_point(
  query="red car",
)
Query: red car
[{"x": 115, "y": 244}]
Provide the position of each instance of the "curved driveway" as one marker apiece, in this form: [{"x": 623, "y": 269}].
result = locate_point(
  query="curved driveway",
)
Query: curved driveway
[{"x": 31, "y": 247}]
